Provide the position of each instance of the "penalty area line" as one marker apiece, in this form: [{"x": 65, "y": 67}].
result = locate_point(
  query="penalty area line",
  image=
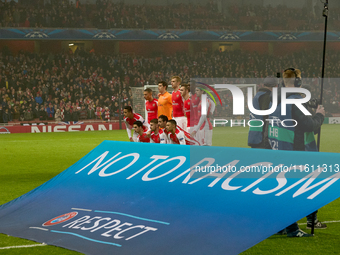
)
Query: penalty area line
[
  {"x": 22, "y": 246},
  {"x": 332, "y": 221}
]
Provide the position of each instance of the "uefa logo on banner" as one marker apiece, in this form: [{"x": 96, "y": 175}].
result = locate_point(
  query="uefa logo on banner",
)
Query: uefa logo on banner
[{"x": 60, "y": 219}]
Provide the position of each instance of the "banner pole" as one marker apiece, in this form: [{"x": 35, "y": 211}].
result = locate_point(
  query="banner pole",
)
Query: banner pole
[{"x": 324, "y": 14}]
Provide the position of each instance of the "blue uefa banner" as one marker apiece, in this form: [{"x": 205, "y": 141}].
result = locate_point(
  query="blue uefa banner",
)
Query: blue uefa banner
[
  {"x": 134, "y": 198},
  {"x": 163, "y": 35}
]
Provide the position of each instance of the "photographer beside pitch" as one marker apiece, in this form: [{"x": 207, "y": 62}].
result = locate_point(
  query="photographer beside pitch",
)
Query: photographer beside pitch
[{"x": 298, "y": 138}]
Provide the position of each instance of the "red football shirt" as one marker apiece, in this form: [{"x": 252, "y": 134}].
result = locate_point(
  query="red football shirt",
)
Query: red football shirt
[
  {"x": 176, "y": 137},
  {"x": 187, "y": 109},
  {"x": 136, "y": 117},
  {"x": 161, "y": 137},
  {"x": 195, "y": 100},
  {"x": 180, "y": 136},
  {"x": 177, "y": 104},
  {"x": 152, "y": 109},
  {"x": 143, "y": 138},
  {"x": 164, "y": 130}
]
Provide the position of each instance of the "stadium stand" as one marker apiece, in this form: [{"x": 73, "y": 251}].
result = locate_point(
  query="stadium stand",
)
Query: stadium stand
[
  {"x": 31, "y": 84},
  {"x": 107, "y": 15},
  {"x": 84, "y": 85}
]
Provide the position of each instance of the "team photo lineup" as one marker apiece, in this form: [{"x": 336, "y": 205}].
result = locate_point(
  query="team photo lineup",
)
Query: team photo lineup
[{"x": 174, "y": 118}]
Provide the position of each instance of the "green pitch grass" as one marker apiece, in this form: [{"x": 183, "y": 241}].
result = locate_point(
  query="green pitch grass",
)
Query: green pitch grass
[{"x": 29, "y": 160}]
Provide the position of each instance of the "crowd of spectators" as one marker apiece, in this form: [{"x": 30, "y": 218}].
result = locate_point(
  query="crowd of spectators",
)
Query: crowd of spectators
[
  {"x": 72, "y": 87},
  {"x": 106, "y": 15}
]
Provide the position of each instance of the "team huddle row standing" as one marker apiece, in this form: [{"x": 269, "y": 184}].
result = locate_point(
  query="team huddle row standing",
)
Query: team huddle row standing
[{"x": 174, "y": 118}]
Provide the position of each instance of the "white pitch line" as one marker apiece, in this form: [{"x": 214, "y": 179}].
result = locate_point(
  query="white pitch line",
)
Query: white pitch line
[
  {"x": 22, "y": 246},
  {"x": 80, "y": 209},
  {"x": 45, "y": 229},
  {"x": 332, "y": 221}
]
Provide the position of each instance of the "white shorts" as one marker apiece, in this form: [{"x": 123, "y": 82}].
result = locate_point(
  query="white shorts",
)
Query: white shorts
[
  {"x": 196, "y": 136},
  {"x": 181, "y": 122},
  {"x": 206, "y": 137},
  {"x": 199, "y": 137}
]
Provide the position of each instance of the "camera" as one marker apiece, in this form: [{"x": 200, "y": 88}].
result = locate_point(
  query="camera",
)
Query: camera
[{"x": 313, "y": 103}]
